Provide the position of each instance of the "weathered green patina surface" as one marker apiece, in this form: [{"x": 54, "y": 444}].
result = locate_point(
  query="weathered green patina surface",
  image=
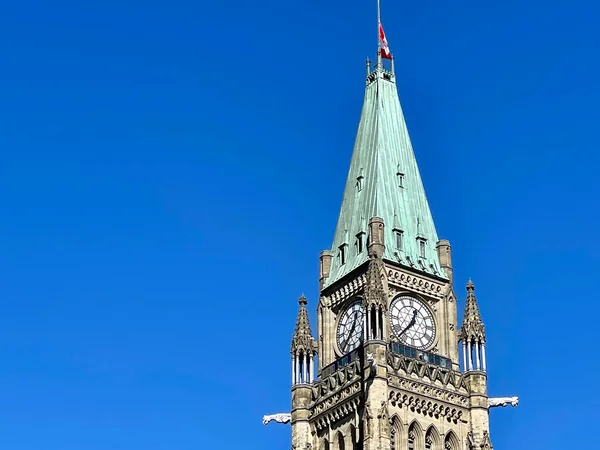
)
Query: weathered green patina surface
[{"x": 384, "y": 181}]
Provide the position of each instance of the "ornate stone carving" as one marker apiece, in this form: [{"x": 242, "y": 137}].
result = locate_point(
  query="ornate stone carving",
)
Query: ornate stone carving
[
  {"x": 371, "y": 360},
  {"x": 404, "y": 365},
  {"x": 344, "y": 408},
  {"x": 384, "y": 419},
  {"x": 502, "y": 401},
  {"x": 470, "y": 440},
  {"x": 335, "y": 382},
  {"x": 374, "y": 288},
  {"x": 369, "y": 418},
  {"x": 431, "y": 392},
  {"x": 453, "y": 409},
  {"x": 327, "y": 404},
  {"x": 487, "y": 443},
  {"x": 416, "y": 283},
  {"x": 344, "y": 292},
  {"x": 279, "y": 418},
  {"x": 307, "y": 446},
  {"x": 472, "y": 329}
]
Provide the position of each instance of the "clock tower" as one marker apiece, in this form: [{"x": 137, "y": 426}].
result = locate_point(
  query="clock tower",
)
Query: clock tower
[{"x": 390, "y": 367}]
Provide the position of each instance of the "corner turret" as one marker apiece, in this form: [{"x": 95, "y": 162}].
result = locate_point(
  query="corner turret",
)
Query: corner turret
[
  {"x": 303, "y": 352},
  {"x": 303, "y": 347},
  {"x": 472, "y": 333}
]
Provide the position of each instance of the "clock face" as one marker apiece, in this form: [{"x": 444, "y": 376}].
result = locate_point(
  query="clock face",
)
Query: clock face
[
  {"x": 350, "y": 327},
  {"x": 412, "y": 322}
]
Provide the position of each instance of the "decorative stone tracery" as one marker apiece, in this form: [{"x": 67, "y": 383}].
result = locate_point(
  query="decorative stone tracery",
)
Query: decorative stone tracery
[{"x": 416, "y": 283}]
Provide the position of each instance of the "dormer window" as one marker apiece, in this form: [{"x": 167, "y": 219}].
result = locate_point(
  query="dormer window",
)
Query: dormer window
[
  {"x": 360, "y": 242},
  {"x": 400, "y": 176},
  {"x": 399, "y": 236},
  {"x": 342, "y": 254},
  {"x": 421, "y": 243},
  {"x": 359, "y": 183}
]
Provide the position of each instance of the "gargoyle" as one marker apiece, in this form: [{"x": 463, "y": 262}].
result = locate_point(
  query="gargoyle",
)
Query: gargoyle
[
  {"x": 371, "y": 360},
  {"x": 279, "y": 418},
  {"x": 503, "y": 401}
]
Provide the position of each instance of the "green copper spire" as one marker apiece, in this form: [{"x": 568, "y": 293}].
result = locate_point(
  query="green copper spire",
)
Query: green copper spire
[{"x": 384, "y": 181}]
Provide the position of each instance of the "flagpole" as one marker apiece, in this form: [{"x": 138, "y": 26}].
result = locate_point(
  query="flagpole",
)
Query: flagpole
[{"x": 378, "y": 67}]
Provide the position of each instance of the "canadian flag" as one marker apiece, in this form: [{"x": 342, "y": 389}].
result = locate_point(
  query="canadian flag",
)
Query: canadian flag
[{"x": 383, "y": 45}]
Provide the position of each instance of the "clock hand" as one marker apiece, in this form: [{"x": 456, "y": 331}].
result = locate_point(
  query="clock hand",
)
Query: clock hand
[
  {"x": 410, "y": 324},
  {"x": 350, "y": 333}
]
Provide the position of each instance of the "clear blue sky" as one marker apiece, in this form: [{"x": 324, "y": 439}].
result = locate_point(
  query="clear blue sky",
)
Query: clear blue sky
[{"x": 170, "y": 170}]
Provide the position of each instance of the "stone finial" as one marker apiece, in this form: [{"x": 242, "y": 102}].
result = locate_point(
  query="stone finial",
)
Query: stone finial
[
  {"x": 470, "y": 286},
  {"x": 324, "y": 265},
  {"x": 444, "y": 251},
  {"x": 374, "y": 288},
  {"x": 376, "y": 237},
  {"x": 472, "y": 328},
  {"x": 303, "y": 339}
]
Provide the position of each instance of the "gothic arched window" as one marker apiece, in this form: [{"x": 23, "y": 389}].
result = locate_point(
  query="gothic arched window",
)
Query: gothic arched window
[
  {"x": 432, "y": 439},
  {"x": 415, "y": 437},
  {"x": 396, "y": 434},
  {"x": 411, "y": 440},
  {"x": 341, "y": 445},
  {"x": 354, "y": 437},
  {"x": 451, "y": 442}
]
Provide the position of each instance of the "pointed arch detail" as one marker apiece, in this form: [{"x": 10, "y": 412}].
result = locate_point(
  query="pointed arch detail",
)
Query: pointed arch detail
[
  {"x": 353, "y": 438},
  {"x": 433, "y": 439},
  {"x": 397, "y": 440},
  {"x": 451, "y": 442},
  {"x": 339, "y": 443},
  {"x": 416, "y": 438}
]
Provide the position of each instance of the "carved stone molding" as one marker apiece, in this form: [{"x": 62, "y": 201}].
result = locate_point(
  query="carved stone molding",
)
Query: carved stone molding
[
  {"x": 408, "y": 366},
  {"x": 336, "y": 407},
  {"x": 345, "y": 292},
  {"x": 416, "y": 283},
  {"x": 443, "y": 395},
  {"x": 428, "y": 407},
  {"x": 336, "y": 381}
]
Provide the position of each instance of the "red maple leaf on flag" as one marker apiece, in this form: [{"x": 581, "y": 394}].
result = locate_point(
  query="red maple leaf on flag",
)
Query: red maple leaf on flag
[{"x": 383, "y": 44}]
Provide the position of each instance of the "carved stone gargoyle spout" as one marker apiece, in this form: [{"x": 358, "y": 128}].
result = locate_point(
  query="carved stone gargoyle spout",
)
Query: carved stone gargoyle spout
[
  {"x": 279, "y": 418},
  {"x": 502, "y": 401}
]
